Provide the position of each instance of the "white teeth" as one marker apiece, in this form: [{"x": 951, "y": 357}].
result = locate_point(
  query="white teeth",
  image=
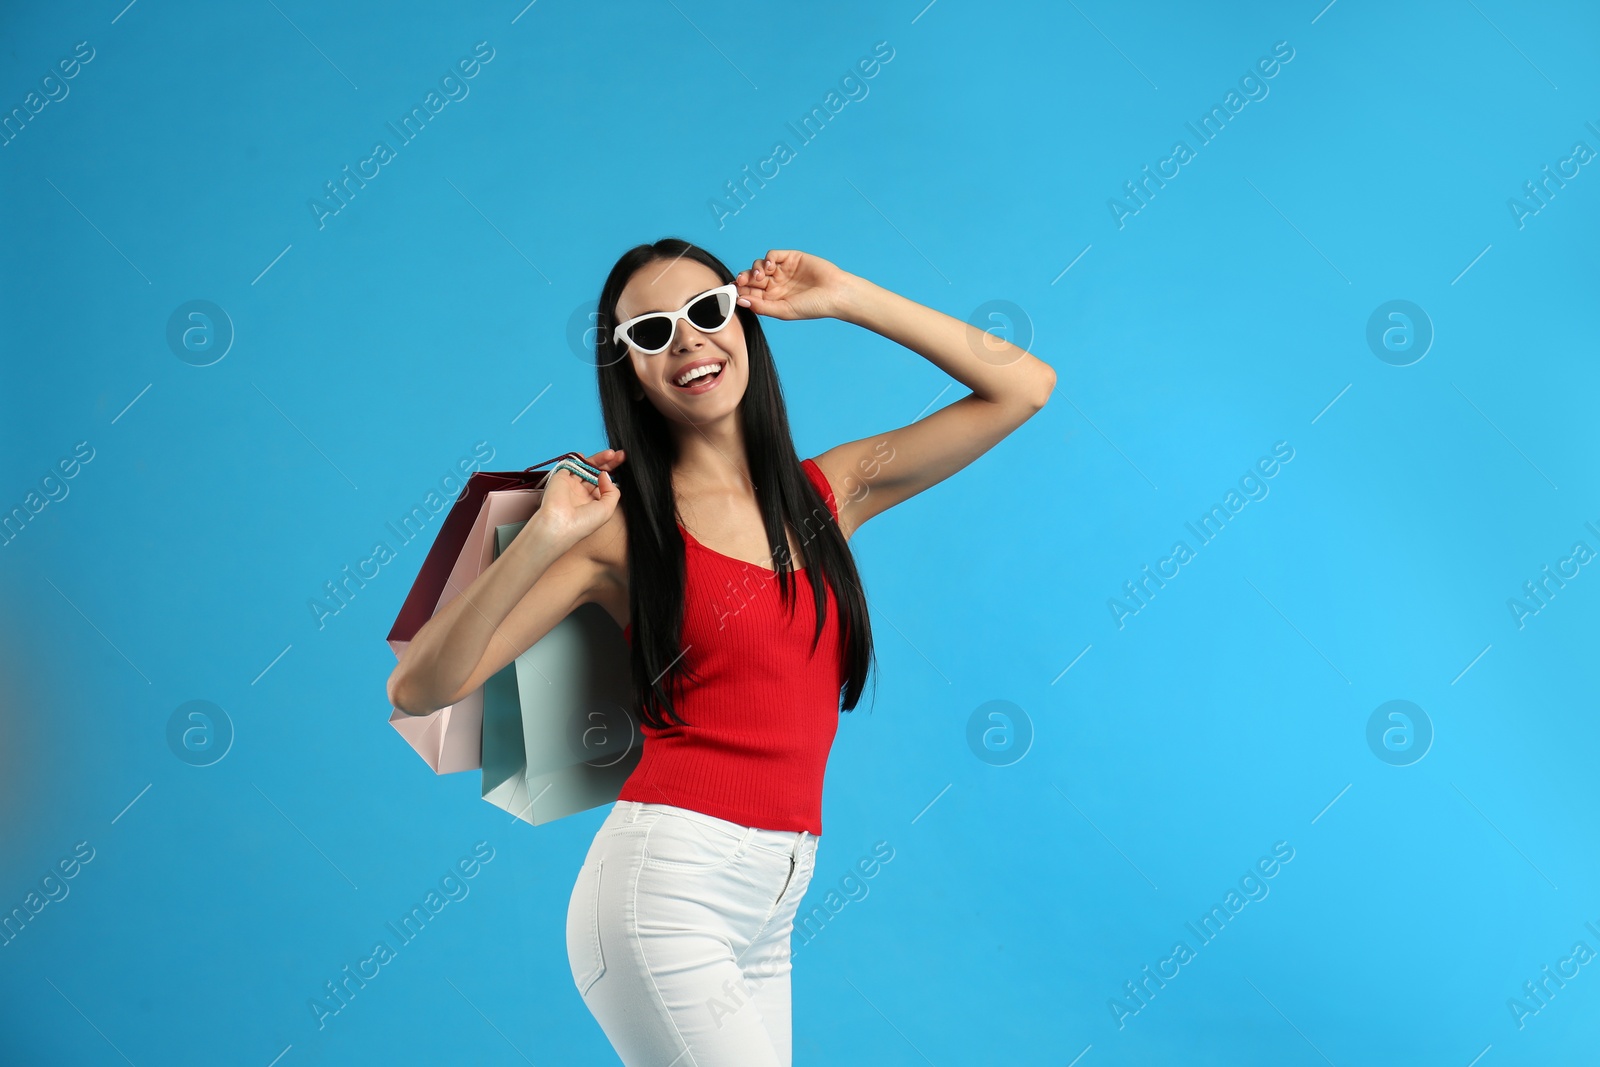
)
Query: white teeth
[{"x": 698, "y": 372}]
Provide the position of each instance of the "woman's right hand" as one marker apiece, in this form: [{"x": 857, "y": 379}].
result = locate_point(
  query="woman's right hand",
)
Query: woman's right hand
[{"x": 572, "y": 509}]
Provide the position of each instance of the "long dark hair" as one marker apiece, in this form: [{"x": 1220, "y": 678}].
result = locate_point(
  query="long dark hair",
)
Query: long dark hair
[{"x": 786, "y": 497}]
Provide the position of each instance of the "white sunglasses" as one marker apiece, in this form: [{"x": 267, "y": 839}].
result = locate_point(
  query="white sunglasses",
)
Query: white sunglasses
[{"x": 652, "y": 333}]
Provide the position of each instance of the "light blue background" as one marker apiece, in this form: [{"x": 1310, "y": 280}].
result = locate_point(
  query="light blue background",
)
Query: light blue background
[{"x": 1229, "y": 314}]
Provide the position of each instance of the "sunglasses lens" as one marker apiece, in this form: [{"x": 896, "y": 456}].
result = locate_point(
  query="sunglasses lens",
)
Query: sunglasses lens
[
  {"x": 651, "y": 334},
  {"x": 712, "y": 311}
]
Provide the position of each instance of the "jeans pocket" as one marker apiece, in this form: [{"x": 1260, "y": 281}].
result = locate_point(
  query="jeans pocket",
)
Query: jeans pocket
[
  {"x": 804, "y": 866},
  {"x": 583, "y": 928},
  {"x": 676, "y": 843},
  {"x": 808, "y": 867}
]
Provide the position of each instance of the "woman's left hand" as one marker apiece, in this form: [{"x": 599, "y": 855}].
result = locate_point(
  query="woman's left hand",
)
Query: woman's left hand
[{"x": 793, "y": 285}]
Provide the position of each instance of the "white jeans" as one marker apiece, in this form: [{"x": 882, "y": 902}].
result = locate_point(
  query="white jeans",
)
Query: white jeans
[{"x": 678, "y": 936}]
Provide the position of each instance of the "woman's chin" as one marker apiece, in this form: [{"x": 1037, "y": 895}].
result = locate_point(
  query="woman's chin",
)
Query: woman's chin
[{"x": 692, "y": 406}]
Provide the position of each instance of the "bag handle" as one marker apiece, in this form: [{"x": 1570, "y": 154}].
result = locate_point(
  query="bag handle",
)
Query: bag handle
[{"x": 573, "y": 462}]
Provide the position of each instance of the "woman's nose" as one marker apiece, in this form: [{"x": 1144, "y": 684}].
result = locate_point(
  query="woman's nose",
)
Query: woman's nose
[{"x": 687, "y": 337}]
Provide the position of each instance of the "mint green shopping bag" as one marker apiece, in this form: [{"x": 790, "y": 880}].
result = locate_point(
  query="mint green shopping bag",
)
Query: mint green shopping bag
[{"x": 558, "y": 735}]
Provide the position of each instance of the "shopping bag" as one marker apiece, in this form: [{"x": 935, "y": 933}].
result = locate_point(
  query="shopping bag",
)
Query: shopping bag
[
  {"x": 449, "y": 739},
  {"x": 558, "y": 735}
]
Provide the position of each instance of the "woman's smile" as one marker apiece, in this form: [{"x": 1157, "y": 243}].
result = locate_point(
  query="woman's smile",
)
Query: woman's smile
[{"x": 701, "y": 380}]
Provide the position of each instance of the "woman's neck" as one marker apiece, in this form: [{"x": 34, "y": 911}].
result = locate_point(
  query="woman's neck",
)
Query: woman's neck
[{"x": 712, "y": 463}]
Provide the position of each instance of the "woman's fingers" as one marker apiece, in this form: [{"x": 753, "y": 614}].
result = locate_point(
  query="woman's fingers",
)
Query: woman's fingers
[
  {"x": 607, "y": 458},
  {"x": 604, "y": 462},
  {"x": 586, "y": 489}
]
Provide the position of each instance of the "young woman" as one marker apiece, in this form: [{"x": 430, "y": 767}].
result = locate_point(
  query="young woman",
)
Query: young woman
[{"x": 679, "y": 924}]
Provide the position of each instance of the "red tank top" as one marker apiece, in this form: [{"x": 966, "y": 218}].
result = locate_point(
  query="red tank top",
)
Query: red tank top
[{"x": 761, "y": 721}]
